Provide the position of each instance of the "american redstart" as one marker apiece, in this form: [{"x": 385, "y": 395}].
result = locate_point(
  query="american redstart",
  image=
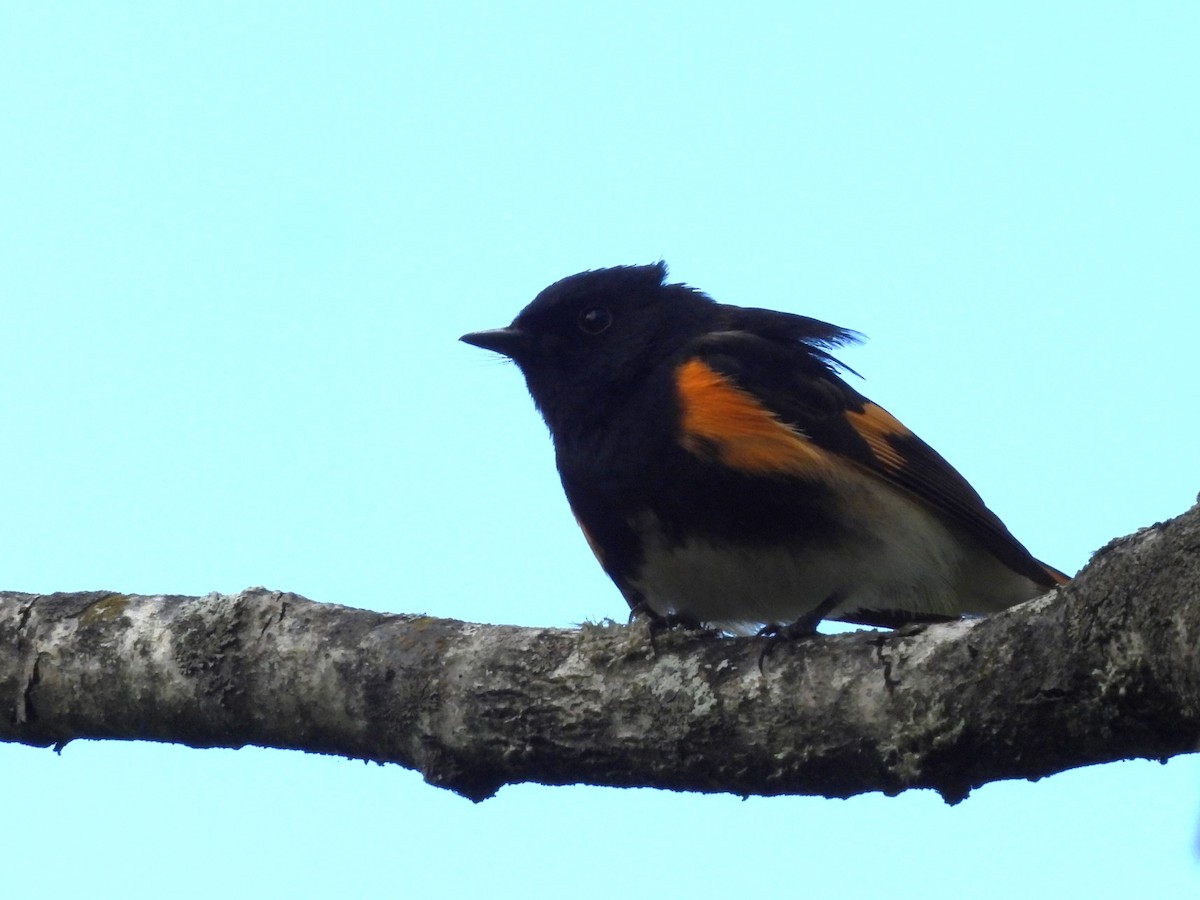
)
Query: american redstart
[{"x": 724, "y": 473}]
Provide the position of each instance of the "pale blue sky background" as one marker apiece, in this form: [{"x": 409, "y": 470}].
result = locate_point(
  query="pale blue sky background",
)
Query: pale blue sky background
[{"x": 238, "y": 242}]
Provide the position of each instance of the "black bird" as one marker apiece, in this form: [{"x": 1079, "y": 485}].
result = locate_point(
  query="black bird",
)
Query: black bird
[{"x": 723, "y": 472}]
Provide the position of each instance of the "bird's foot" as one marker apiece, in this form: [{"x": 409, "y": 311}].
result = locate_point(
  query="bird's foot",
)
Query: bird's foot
[
  {"x": 657, "y": 623},
  {"x": 804, "y": 627}
]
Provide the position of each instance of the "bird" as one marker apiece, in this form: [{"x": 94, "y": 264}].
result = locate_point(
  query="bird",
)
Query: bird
[{"x": 726, "y": 475}]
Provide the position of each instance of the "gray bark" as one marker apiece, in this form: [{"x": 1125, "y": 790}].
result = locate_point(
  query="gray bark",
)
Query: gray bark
[{"x": 1105, "y": 668}]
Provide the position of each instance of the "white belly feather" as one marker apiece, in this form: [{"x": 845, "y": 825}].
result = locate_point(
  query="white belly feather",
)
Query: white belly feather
[{"x": 902, "y": 557}]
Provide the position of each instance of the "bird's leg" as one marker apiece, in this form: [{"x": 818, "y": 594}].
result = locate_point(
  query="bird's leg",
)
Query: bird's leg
[
  {"x": 658, "y": 623},
  {"x": 803, "y": 627}
]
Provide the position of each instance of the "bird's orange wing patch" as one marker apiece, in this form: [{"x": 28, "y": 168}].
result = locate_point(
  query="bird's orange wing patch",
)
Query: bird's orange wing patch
[
  {"x": 720, "y": 419},
  {"x": 876, "y": 425}
]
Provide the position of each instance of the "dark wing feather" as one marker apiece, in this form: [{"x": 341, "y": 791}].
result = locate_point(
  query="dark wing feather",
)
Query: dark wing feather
[{"x": 783, "y": 361}]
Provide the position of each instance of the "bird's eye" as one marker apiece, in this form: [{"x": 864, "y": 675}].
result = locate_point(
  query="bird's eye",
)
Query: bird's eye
[{"x": 594, "y": 320}]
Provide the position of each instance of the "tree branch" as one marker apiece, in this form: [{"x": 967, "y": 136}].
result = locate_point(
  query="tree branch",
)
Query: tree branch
[{"x": 1103, "y": 669}]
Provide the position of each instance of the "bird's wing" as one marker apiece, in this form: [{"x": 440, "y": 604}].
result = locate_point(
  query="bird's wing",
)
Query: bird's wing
[{"x": 775, "y": 403}]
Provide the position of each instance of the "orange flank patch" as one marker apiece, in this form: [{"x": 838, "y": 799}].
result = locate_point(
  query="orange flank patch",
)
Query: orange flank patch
[
  {"x": 875, "y": 425},
  {"x": 595, "y": 548},
  {"x": 720, "y": 418}
]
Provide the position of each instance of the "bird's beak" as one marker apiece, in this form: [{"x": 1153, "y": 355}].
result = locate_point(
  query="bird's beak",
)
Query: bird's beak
[{"x": 511, "y": 341}]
